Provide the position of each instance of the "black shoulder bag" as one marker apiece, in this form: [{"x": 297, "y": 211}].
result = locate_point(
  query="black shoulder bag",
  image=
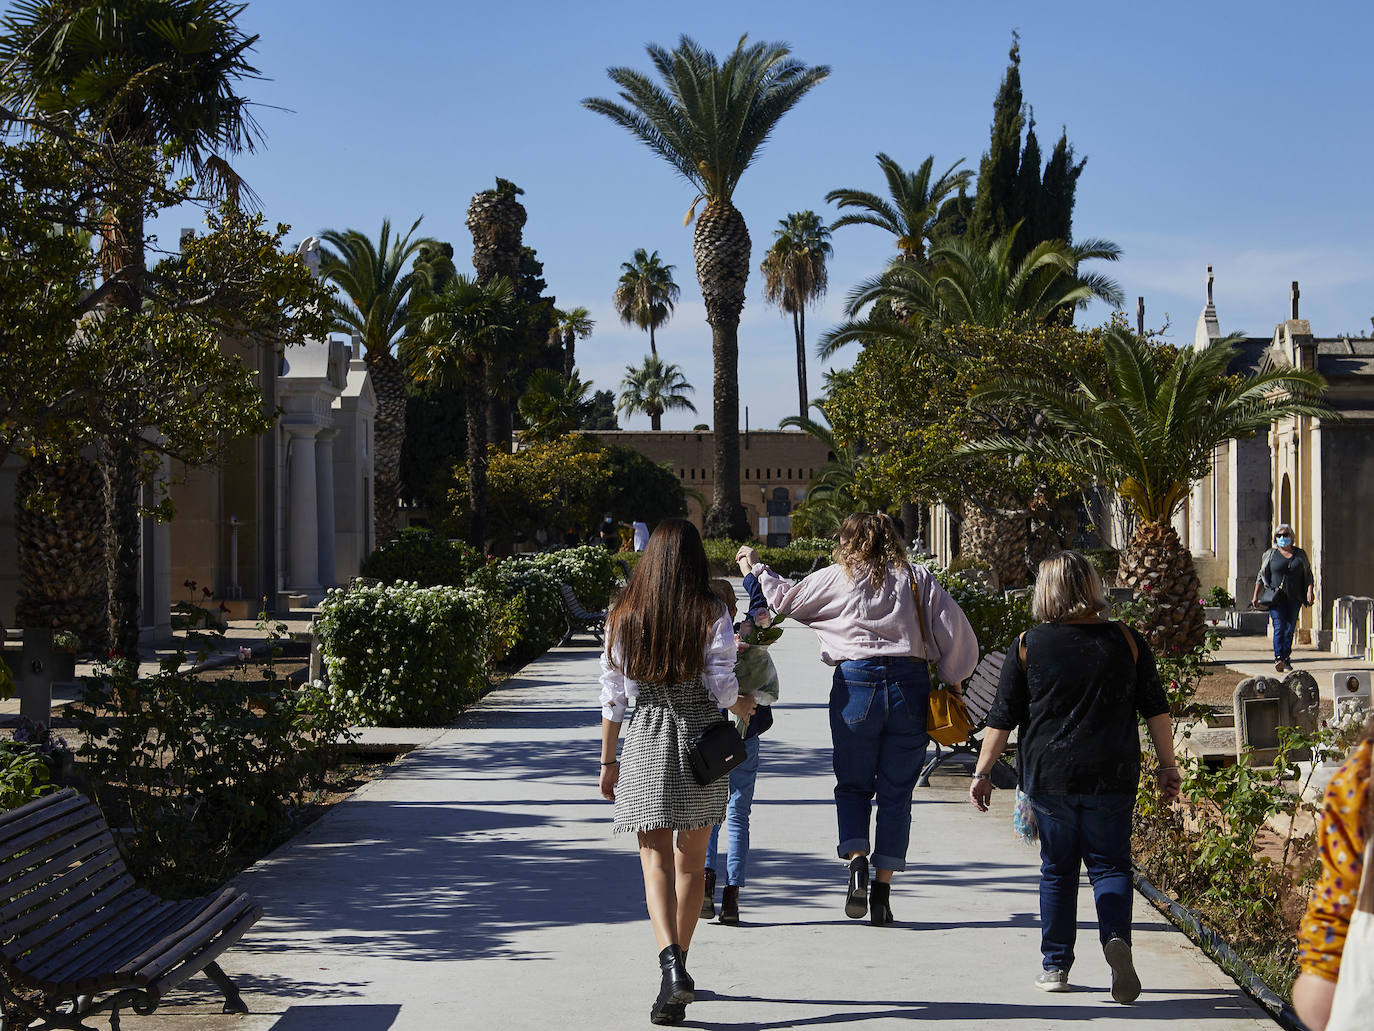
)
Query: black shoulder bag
[{"x": 718, "y": 751}]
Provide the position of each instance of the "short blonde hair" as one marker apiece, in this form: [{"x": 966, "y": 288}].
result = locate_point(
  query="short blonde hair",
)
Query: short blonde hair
[{"x": 1067, "y": 587}]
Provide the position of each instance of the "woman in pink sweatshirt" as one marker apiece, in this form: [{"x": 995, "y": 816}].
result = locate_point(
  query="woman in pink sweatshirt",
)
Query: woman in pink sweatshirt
[{"x": 864, "y": 610}]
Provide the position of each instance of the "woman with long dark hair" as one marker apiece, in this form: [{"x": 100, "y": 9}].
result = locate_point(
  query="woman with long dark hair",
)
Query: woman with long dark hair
[
  {"x": 880, "y": 620},
  {"x": 670, "y": 646}
]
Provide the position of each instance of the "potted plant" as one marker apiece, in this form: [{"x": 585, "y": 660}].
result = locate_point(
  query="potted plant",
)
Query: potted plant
[{"x": 65, "y": 645}]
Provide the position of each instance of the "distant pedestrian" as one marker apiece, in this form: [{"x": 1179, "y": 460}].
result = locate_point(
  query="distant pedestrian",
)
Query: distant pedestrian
[
  {"x": 1073, "y": 686},
  {"x": 669, "y": 646},
  {"x": 608, "y": 534},
  {"x": 1286, "y": 569},
  {"x": 879, "y": 620},
  {"x": 641, "y": 529}
]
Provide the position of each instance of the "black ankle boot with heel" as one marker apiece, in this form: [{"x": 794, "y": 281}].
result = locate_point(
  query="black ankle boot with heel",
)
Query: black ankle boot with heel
[
  {"x": 676, "y": 989},
  {"x": 708, "y": 898},
  {"x": 879, "y": 903},
  {"x": 729, "y": 904}
]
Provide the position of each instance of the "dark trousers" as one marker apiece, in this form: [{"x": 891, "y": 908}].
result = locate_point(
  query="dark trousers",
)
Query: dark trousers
[{"x": 1075, "y": 830}]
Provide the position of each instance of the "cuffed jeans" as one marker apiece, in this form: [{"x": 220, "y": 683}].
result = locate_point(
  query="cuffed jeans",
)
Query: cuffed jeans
[
  {"x": 1284, "y": 620},
  {"x": 742, "y": 779},
  {"x": 878, "y": 728},
  {"x": 1082, "y": 829}
]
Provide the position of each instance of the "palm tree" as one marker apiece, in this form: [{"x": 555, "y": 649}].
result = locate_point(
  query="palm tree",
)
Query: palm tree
[
  {"x": 708, "y": 120},
  {"x": 653, "y": 389},
  {"x": 162, "y": 73},
  {"x": 555, "y": 405},
  {"x": 496, "y": 220},
  {"x": 646, "y": 294},
  {"x": 838, "y": 488},
  {"x": 373, "y": 278},
  {"x": 913, "y": 208},
  {"x": 568, "y": 328},
  {"x": 794, "y": 276},
  {"x": 1149, "y": 432},
  {"x": 983, "y": 287},
  {"x": 460, "y": 326}
]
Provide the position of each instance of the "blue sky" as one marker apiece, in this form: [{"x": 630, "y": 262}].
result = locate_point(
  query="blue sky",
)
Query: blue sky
[{"x": 1235, "y": 134}]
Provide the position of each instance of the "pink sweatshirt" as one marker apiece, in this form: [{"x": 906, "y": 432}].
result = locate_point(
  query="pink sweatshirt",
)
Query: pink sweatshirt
[{"x": 863, "y": 621}]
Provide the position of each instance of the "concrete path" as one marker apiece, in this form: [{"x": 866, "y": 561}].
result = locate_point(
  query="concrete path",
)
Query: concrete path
[{"x": 478, "y": 886}]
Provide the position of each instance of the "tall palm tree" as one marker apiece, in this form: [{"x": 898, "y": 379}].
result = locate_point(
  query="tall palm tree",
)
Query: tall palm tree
[
  {"x": 654, "y": 388},
  {"x": 496, "y": 220},
  {"x": 646, "y": 294},
  {"x": 913, "y": 207},
  {"x": 794, "y": 275},
  {"x": 460, "y": 326},
  {"x": 373, "y": 278},
  {"x": 568, "y": 328},
  {"x": 708, "y": 118},
  {"x": 555, "y": 405},
  {"x": 979, "y": 286},
  {"x": 1149, "y": 432},
  {"x": 154, "y": 73}
]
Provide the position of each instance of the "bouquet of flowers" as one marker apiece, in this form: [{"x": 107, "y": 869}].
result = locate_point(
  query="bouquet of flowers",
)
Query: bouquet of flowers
[{"x": 757, "y": 676}]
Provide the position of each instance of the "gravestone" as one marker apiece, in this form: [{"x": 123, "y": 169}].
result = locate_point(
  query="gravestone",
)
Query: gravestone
[{"x": 1263, "y": 704}]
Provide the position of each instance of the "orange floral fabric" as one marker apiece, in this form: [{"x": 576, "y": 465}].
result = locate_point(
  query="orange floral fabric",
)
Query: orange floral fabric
[{"x": 1321, "y": 936}]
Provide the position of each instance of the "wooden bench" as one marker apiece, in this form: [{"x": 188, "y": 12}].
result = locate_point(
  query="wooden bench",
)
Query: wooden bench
[
  {"x": 580, "y": 621},
  {"x": 980, "y": 689},
  {"x": 73, "y": 924}
]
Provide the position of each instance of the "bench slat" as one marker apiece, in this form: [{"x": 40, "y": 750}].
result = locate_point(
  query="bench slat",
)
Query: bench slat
[
  {"x": 69, "y": 926},
  {"x": 148, "y": 920},
  {"x": 59, "y": 895},
  {"x": 206, "y": 956},
  {"x": 38, "y": 963},
  {"x": 76, "y": 847},
  {"x": 190, "y": 940},
  {"x": 15, "y": 821},
  {"x": 51, "y": 829}
]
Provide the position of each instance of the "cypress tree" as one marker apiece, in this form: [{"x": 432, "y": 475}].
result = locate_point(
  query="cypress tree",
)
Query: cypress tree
[
  {"x": 1060, "y": 183},
  {"x": 1029, "y": 198},
  {"x": 994, "y": 207}
]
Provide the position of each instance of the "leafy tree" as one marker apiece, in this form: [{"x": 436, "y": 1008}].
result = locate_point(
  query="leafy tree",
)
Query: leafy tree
[
  {"x": 496, "y": 219},
  {"x": 708, "y": 119},
  {"x": 1148, "y": 432},
  {"x": 654, "y": 388},
  {"x": 568, "y": 328},
  {"x": 994, "y": 209},
  {"x": 1058, "y": 188},
  {"x": 646, "y": 294},
  {"x": 555, "y": 405},
  {"x": 965, "y": 284},
  {"x": 376, "y": 307},
  {"x": 460, "y": 325},
  {"x": 911, "y": 212},
  {"x": 794, "y": 275},
  {"x": 601, "y": 416},
  {"x": 640, "y": 488}
]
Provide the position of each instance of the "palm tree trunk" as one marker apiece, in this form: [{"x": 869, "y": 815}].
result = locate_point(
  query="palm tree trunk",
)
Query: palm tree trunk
[
  {"x": 799, "y": 328},
  {"x": 500, "y": 425},
  {"x": 652, "y": 349},
  {"x": 1159, "y": 569},
  {"x": 721, "y": 248},
  {"x": 655, "y": 420},
  {"x": 569, "y": 343},
  {"x": 477, "y": 456}
]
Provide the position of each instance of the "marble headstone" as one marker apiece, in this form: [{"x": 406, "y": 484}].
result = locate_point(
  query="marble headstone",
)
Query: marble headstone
[{"x": 1263, "y": 704}]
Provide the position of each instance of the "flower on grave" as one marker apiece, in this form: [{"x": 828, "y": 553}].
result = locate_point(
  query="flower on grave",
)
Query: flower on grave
[
  {"x": 245, "y": 653},
  {"x": 223, "y": 607},
  {"x": 205, "y": 592}
]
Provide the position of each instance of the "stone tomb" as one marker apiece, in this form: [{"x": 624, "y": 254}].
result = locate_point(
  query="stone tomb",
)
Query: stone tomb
[{"x": 1264, "y": 704}]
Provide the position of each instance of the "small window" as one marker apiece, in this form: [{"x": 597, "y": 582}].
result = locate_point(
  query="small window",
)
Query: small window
[
  {"x": 789, "y": 474},
  {"x": 770, "y": 473},
  {"x": 757, "y": 473},
  {"x": 694, "y": 474},
  {"x": 682, "y": 474},
  {"x": 703, "y": 474},
  {"x": 811, "y": 473}
]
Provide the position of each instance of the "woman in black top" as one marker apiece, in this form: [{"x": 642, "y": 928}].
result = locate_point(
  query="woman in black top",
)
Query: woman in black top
[
  {"x": 1286, "y": 568},
  {"x": 1074, "y": 686}
]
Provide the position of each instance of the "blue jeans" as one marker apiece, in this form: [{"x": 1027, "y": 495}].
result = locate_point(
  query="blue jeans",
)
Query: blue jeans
[
  {"x": 1284, "y": 620},
  {"x": 878, "y": 727},
  {"x": 1078, "y": 829},
  {"x": 742, "y": 779}
]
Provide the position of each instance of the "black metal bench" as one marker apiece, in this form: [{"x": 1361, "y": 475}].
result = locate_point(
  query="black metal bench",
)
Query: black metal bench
[
  {"x": 73, "y": 924},
  {"x": 580, "y": 621},
  {"x": 979, "y": 692}
]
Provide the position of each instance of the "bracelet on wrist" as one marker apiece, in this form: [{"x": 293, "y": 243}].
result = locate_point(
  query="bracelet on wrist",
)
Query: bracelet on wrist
[
  {"x": 613, "y": 762},
  {"x": 981, "y": 776},
  {"x": 1164, "y": 769}
]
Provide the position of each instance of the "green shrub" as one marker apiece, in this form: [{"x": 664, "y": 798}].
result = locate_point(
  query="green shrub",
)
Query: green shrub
[
  {"x": 796, "y": 557},
  {"x": 589, "y": 569},
  {"x": 403, "y": 655},
  {"x": 534, "y": 608},
  {"x": 996, "y": 618},
  {"x": 1106, "y": 561},
  {"x": 425, "y": 558},
  {"x": 24, "y": 774},
  {"x": 1220, "y": 598}
]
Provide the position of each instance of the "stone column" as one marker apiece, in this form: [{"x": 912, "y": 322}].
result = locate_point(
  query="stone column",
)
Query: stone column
[
  {"x": 324, "y": 495},
  {"x": 303, "y": 514}
]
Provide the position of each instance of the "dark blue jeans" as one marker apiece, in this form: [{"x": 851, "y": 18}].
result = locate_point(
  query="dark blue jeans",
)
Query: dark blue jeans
[
  {"x": 1082, "y": 829},
  {"x": 878, "y": 727},
  {"x": 1284, "y": 620}
]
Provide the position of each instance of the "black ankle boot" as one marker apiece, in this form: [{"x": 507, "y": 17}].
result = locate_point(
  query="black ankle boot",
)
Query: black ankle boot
[
  {"x": 676, "y": 989},
  {"x": 879, "y": 907},
  {"x": 729, "y": 904},
  {"x": 708, "y": 900}
]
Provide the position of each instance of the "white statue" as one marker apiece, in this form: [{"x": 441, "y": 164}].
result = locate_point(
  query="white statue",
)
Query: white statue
[{"x": 309, "y": 251}]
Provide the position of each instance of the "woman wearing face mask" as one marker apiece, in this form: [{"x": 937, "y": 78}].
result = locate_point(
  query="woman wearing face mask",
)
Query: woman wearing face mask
[{"x": 1286, "y": 569}]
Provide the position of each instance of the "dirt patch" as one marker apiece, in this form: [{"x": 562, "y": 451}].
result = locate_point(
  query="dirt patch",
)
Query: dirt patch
[{"x": 1218, "y": 687}]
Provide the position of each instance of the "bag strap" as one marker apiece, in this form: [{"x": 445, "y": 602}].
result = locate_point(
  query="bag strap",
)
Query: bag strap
[
  {"x": 927, "y": 637},
  {"x": 1021, "y": 648},
  {"x": 1130, "y": 643}
]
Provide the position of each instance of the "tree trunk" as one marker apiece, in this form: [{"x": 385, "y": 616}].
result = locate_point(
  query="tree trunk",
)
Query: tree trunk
[
  {"x": 1159, "y": 569},
  {"x": 655, "y": 420},
  {"x": 569, "y": 344},
  {"x": 799, "y": 328},
  {"x": 477, "y": 457},
  {"x": 119, "y": 468},
  {"x": 721, "y": 248},
  {"x": 500, "y": 425},
  {"x": 652, "y": 349},
  {"x": 996, "y": 534}
]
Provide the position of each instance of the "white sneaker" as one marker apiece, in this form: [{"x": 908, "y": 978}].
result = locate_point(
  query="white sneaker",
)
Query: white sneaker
[
  {"x": 1053, "y": 981},
  {"x": 1125, "y": 982}
]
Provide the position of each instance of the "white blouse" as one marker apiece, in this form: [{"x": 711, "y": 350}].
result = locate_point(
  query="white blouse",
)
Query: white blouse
[{"x": 718, "y": 673}]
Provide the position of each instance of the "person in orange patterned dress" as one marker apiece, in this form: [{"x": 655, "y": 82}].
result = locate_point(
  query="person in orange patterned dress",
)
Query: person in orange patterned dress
[{"x": 1347, "y": 819}]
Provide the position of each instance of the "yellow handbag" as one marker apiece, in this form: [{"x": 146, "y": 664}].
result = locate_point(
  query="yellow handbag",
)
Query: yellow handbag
[{"x": 947, "y": 720}]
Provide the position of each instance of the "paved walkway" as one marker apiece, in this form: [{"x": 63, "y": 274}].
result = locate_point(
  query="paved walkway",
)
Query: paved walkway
[{"x": 478, "y": 886}]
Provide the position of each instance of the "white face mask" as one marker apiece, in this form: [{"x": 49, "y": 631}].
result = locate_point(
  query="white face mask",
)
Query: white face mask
[{"x": 1284, "y": 542}]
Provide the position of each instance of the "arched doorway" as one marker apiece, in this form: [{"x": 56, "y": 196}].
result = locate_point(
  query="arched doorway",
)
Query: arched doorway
[{"x": 1285, "y": 501}]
